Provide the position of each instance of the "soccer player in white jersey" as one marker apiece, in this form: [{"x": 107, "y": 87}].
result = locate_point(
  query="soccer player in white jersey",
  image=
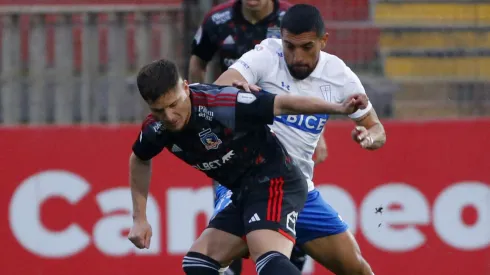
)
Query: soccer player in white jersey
[{"x": 295, "y": 64}]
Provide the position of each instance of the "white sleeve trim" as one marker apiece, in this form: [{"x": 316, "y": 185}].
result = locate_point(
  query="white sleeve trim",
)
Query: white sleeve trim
[
  {"x": 244, "y": 70},
  {"x": 361, "y": 112}
]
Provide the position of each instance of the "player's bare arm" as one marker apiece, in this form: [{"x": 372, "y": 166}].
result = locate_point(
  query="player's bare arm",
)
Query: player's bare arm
[
  {"x": 321, "y": 151},
  {"x": 229, "y": 77},
  {"x": 369, "y": 133},
  {"x": 197, "y": 69},
  {"x": 139, "y": 178},
  {"x": 295, "y": 105}
]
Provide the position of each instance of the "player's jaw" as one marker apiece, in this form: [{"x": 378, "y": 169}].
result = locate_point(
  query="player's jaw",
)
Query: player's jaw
[
  {"x": 173, "y": 108},
  {"x": 300, "y": 71}
]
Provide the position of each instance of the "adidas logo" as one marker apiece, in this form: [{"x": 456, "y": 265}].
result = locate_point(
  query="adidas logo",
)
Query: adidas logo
[
  {"x": 229, "y": 40},
  {"x": 255, "y": 218},
  {"x": 176, "y": 149}
]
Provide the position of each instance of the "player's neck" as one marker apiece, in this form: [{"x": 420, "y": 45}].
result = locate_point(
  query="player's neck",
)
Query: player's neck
[{"x": 255, "y": 16}]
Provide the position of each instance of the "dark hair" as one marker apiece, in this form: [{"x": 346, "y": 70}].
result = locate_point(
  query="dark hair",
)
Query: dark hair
[
  {"x": 303, "y": 18},
  {"x": 157, "y": 78}
]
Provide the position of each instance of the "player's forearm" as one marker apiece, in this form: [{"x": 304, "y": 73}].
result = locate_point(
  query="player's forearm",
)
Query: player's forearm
[
  {"x": 295, "y": 105},
  {"x": 196, "y": 75},
  {"x": 197, "y": 70},
  {"x": 377, "y": 133},
  {"x": 139, "y": 178}
]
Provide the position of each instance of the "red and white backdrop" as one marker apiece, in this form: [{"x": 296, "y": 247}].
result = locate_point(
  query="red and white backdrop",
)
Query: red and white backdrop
[{"x": 65, "y": 202}]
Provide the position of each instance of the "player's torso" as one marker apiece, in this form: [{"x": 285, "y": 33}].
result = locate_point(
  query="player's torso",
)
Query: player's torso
[
  {"x": 222, "y": 153},
  {"x": 237, "y": 36},
  {"x": 300, "y": 133}
]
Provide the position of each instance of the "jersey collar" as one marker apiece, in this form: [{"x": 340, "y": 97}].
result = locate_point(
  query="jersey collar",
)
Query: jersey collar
[
  {"x": 237, "y": 13},
  {"x": 318, "y": 71}
]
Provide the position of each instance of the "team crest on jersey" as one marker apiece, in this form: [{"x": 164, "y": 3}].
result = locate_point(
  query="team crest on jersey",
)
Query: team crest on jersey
[
  {"x": 273, "y": 32},
  {"x": 209, "y": 139},
  {"x": 326, "y": 92}
]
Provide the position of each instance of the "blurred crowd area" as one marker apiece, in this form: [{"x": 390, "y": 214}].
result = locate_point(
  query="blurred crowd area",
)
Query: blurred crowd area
[{"x": 75, "y": 62}]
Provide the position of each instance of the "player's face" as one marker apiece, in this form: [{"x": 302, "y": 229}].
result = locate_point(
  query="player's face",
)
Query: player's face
[
  {"x": 302, "y": 51},
  {"x": 255, "y": 5},
  {"x": 173, "y": 109}
]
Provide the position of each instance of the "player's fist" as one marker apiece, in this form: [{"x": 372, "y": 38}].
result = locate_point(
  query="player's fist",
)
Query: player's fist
[
  {"x": 140, "y": 234},
  {"x": 361, "y": 135},
  {"x": 246, "y": 86},
  {"x": 354, "y": 103}
]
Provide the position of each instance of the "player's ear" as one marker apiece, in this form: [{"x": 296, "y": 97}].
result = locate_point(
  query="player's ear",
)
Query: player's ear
[
  {"x": 324, "y": 40},
  {"x": 186, "y": 86}
]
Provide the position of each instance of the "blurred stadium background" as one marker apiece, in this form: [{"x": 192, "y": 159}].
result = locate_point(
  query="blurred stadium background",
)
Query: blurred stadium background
[{"x": 67, "y": 65}]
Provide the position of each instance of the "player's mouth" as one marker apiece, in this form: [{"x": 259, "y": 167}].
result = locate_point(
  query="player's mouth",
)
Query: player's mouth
[
  {"x": 300, "y": 67},
  {"x": 173, "y": 124},
  {"x": 252, "y": 3}
]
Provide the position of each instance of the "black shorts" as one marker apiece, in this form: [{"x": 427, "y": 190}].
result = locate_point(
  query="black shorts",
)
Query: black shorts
[{"x": 265, "y": 202}]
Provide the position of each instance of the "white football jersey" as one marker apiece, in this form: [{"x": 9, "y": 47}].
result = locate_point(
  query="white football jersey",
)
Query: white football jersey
[{"x": 331, "y": 80}]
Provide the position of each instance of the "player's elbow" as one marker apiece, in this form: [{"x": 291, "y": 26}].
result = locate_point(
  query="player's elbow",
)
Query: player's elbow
[
  {"x": 229, "y": 76},
  {"x": 134, "y": 160},
  {"x": 282, "y": 105}
]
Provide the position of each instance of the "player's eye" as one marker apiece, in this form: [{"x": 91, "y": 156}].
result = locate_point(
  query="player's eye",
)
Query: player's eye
[{"x": 308, "y": 47}]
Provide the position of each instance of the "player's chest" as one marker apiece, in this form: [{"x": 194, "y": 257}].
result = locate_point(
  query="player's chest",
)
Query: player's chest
[
  {"x": 238, "y": 38},
  {"x": 205, "y": 142},
  {"x": 282, "y": 83}
]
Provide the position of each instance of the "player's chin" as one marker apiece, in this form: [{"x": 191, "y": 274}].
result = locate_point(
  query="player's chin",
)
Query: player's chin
[
  {"x": 174, "y": 127},
  {"x": 300, "y": 74}
]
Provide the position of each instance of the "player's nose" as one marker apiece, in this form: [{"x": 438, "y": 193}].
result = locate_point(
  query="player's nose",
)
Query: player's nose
[{"x": 171, "y": 117}]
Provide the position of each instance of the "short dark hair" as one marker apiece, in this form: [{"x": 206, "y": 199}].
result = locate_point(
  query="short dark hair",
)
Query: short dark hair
[
  {"x": 303, "y": 18},
  {"x": 157, "y": 78}
]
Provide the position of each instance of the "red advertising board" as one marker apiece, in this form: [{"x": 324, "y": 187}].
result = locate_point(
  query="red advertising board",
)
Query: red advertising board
[{"x": 65, "y": 202}]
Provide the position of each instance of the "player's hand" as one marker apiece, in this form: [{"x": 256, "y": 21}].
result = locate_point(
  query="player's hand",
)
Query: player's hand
[
  {"x": 140, "y": 234},
  {"x": 361, "y": 135},
  {"x": 354, "y": 103},
  {"x": 320, "y": 151},
  {"x": 246, "y": 86}
]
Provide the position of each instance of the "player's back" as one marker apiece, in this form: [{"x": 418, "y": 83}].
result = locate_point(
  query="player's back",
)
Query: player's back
[
  {"x": 219, "y": 140},
  {"x": 299, "y": 133}
]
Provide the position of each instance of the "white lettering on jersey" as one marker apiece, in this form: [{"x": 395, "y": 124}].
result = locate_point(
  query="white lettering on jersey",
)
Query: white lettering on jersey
[
  {"x": 221, "y": 17},
  {"x": 205, "y": 113},
  {"x": 215, "y": 164},
  {"x": 307, "y": 123}
]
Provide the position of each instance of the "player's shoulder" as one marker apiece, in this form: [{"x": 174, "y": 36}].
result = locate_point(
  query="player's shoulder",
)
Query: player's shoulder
[
  {"x": 211, "y": 95},
  {"x": 220, "y": 14},
  {"x": 151, "y": 128},
  {"x": 271, "y": 47},
  {"x": 335, "y": 69}
]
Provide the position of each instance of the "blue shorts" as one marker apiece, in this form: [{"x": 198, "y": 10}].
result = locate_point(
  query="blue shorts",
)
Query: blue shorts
[{"x": 318, "y": 219}]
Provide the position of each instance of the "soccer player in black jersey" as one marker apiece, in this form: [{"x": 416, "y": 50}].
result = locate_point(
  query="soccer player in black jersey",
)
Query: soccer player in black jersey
[
  {"x": 223, "y": 132},
  {"x": 229, "y": 30}
]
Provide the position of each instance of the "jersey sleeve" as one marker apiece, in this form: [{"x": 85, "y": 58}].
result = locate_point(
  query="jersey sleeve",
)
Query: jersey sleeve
[
  {"x": 240, "y": 110},
  {"x": 255, "y": 64},
  {"x": 254, "y": 109},
  {"x": 354, "y": 86},
  {"x": 150, "y": 141},
  {"x": 205, "y": 43}
]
